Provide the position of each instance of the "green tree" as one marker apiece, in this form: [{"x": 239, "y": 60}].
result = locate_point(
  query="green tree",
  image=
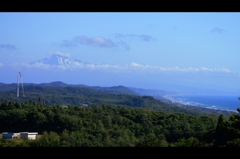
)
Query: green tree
[
  {"x": 51, "y": 139},
  {"x": 152, "y": 141}
]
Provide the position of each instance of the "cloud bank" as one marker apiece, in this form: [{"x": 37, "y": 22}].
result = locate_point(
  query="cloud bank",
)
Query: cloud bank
[
  {"x": 8, "y": 46},
  {"x": 189, "y": 69},
  {"x": 76, "y": 65}
]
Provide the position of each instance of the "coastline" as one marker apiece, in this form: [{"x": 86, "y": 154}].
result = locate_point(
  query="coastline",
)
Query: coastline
[{"x": 190, "y": 106}]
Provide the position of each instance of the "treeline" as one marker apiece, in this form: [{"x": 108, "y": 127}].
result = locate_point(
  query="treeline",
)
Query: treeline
[{"x": 114, "y": 126}]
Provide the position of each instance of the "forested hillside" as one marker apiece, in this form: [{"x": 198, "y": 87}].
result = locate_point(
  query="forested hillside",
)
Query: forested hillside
[
  {"x": 106, "y": 117},
  {"x": 111, "y": 126},
  {"x": 60, "y": 94}
]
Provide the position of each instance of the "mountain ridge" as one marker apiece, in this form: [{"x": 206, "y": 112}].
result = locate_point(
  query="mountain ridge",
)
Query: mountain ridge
[{"x": 113, "y": 89}]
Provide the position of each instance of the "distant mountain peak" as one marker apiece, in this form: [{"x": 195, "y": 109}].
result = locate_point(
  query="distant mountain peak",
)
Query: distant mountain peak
[{"x": 58, "y": 59}]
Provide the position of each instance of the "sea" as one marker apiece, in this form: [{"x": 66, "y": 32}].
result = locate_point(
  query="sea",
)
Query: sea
[{"x": 229, "y": 103}]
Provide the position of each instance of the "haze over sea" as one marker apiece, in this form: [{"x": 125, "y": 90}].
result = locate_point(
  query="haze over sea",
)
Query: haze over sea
[{"x": 230, "y": 103}]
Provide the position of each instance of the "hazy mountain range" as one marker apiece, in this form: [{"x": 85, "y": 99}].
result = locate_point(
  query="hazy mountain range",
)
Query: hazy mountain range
[{"x": 114, "y": 89}]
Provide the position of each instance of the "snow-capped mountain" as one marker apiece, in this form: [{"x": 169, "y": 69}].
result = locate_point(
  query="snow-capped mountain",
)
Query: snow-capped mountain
[
  {"x": 64, "y": 62},
  {"x": 58, "y": 59}
]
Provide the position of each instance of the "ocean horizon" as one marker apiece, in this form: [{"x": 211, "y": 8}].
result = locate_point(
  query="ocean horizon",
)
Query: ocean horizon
[{"x": 228, "y": 103}]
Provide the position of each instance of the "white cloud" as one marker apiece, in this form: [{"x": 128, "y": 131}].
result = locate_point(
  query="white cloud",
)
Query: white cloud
[
  {"x": 176, "y": 68},
  {"x": 133, "y": 64},
  {"x": 225, "y": 70},
  {"x": 102, "y": 42},
  {"x": 1, "y": 64},
  {"x": 74, "y": 65},
  {"x": 206, "y": 69},
  {"x": 41, "y": 65},
  {"x": 216, "y": 70},
  {"x": 95, "y": 41}
]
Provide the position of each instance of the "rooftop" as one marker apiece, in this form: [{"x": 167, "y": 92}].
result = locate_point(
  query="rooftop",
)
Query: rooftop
[{"x": 30, "y": 133}]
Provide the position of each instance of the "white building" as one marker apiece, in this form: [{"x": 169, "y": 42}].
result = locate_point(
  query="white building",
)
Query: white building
[
  {"x": 10, "y": 135},
  {"x": 28, "y": 135}
]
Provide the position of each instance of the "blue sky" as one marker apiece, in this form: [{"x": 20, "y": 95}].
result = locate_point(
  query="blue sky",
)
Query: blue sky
[{"x": 145, "y": 50}]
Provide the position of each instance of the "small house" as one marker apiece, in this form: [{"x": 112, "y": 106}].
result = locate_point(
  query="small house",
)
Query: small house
[
  {"x": 28, "y": 135},
  {"x": 9, "y": 135}
]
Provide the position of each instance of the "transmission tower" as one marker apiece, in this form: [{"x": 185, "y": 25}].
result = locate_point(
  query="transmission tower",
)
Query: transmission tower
[{"x": 18, "y": 85}]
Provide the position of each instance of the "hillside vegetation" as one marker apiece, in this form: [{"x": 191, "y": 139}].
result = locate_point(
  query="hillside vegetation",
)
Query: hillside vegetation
[
  {"x": 60, "y": 94},
  {"x": 111, "y": 126},
  {"x": 67, "y": 116}
]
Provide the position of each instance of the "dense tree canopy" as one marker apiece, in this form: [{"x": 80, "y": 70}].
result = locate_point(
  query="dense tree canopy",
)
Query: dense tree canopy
[
  {"x": 104, "y": 125},
  {"x": 112, "y": 120}
]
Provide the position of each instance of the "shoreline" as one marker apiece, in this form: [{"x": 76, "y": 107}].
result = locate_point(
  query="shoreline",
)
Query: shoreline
[{"x": 195, "y": 107}]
